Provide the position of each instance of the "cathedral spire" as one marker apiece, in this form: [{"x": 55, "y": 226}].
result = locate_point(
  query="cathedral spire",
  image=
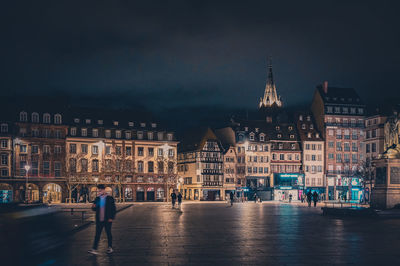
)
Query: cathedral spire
[{"x": 271, "y": 97}]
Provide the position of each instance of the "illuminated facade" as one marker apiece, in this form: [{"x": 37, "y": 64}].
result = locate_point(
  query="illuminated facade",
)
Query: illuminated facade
[
  {"x": 200, "y": 166},
  {"x": 340, "y": 115}
]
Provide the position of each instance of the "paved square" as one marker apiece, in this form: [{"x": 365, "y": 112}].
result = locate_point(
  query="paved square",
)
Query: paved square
[{"x": 245, "y": 234}]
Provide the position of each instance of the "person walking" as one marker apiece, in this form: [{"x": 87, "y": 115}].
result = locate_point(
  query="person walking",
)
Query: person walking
[
  {"x": 104, "y": 206},
  {"x": 173, "y": 198},
  {"x": 179, "y": 200},
  {"x": 309, "y": 197},
  {"x": 231, "y": 197},
  {"x": 315, "y": 198},
  {"x": 290, "y": 198}
]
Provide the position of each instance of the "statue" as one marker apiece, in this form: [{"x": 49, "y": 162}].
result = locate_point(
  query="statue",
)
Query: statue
[{"x": 391, "y": 140}]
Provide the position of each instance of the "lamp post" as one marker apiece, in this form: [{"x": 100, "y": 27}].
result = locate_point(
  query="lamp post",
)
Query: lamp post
[{"x": 27, "y": 167}]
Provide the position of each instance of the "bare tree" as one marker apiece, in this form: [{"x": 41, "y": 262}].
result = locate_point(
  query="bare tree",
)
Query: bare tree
[{"x": 366, "y": 170}]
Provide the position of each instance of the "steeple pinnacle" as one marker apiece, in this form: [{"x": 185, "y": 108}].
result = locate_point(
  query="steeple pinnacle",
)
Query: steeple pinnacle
[{"x": 271, "y": 97}]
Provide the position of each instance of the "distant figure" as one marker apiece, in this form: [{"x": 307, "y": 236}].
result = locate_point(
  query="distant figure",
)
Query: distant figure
[
  {"x": 302, "y": 197},
  {"x": 179, "y": 200},
  {"x": 309, "y": 197},
  {"x": 315, "y": 198},
  {"x": 290, "y": 198},
  {"x": 173, "y": 197},
  {"x": 255, "y": 197},
  {"x": 231, "y": 197},
  {"x": 104, "y": 205}
]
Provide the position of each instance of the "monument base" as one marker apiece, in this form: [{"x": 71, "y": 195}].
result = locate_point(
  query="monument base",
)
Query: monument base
[
  {"x": 386, "y": 193},
  {"x": 385, "y": 198}
]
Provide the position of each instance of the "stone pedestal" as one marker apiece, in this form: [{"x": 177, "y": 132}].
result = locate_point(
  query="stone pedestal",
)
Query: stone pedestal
[{"x": 386, "y": 193}]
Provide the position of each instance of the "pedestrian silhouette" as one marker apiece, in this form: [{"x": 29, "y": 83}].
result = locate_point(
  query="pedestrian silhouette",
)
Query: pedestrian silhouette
[
  {"x": 173, "y": 197},
  {"x": 231, "y": 197},
  {"x": 315, "y": 198},
  {"x": 309, "y": 197},
  {"x": 179, "y": 200},
  {"x": 104, "y": 206}
]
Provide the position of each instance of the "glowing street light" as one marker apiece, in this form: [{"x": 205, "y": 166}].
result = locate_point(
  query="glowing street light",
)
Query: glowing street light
[{"x": 27, "y": 167}]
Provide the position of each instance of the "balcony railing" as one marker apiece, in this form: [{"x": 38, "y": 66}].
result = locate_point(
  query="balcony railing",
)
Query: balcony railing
[{"x": 212, "y": 183}]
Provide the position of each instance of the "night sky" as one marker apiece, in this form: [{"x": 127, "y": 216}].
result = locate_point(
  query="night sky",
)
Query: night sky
[{"x": 179, "y": 54}]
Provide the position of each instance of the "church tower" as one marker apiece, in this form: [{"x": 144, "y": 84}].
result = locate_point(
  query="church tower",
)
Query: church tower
[{"x": 271, "y": 98}]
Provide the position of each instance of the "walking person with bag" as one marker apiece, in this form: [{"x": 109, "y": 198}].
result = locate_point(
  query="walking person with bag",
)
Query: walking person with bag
[
  {"x": 179, "y": 200},
  {"x": 104, "y": 206}
]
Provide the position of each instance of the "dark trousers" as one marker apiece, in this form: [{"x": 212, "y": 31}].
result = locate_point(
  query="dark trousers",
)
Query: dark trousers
[
  {"x": 99, "y": 229},
  {"x": 315, "y": 203},
  {"x": 173, "y": 203}
]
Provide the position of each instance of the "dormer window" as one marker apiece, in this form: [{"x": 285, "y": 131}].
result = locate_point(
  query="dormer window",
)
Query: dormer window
[
  {"x": 169, "y": 136},
  {"x": 256, "y": 129},
  {"x": 88, "y": 121},
  {"x": 308, "y": 118},
  {"x": 246, "y": 129},
  {"x": 4, "y": 128},
  {"x": 140, "y": 135},
  {"x": 280, "y": 146},
  {"x": 128, "y": 135},
  {"x": 46, "y": 118},
  {"x": 57, "y": 119},
  {"x": 83, "y": 132},
  {"x": 303, "y": 126},
  {"x": 130, "y": 124},
  {"x": 290, "y": 128},
  {"x": 108, "y": 133},
  {"x": 23, "y": 117},
  {"x": 99, "y": 122},
  {"x": 292, "y": 136},
  {"x": 35, "y": 118},
  {"x": 153, "y": 125},
  {"x": 251, "y": 136},
  {"x": 118, "y": 134},
  {"x": 76, "y": 120},
  {"x": 160, "y": 136},
  {"x": 293, "y": 146},
  {"x": 115, "y": 123},
  {"x": 311, "y": 126},
  {"x": 142, "y": 124},
  {"x": 317, "y": 135},
  {"x": 309, "y": 135},
  {"x": 301, "y": 118},
  {"x": 73, "y": 131},
  {"x": 279, "y": 136},
  {"x": 277, "y": 128},
  {"x": 150, "y": 135},
  {"x": 262, "y": 137},
  {"x": 95, "y": 133}
]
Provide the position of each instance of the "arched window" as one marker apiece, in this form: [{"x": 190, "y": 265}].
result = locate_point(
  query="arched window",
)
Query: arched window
[
  {"x": 46, "y": 118},
  {"x": 35, "y": 118},
  {"x": 23, "y": 116},
  {"x": 57, "y": 119}
]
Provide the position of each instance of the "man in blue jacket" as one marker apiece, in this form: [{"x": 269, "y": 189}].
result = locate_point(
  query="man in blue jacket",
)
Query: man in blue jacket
[{"x": 104, "y": 205}]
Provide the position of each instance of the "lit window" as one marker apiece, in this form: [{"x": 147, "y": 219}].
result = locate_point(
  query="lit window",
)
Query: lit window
[{"x": 46, "y": 118}]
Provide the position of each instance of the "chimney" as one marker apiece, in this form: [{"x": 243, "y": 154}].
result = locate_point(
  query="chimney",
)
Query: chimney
[{"x": 325, "y": 87}]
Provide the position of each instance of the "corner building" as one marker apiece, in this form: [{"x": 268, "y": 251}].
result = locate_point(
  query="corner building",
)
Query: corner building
[{"x": 200, "y": 166}]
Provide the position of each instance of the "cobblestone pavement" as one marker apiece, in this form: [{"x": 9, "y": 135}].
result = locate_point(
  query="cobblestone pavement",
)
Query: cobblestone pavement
[{"x": 245, "y": 234}]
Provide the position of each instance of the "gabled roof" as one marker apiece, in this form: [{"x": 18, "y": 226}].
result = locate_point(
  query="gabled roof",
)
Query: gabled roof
[
  {"x": 194, "y": 139},
  {"x": 226, "y": 136}
]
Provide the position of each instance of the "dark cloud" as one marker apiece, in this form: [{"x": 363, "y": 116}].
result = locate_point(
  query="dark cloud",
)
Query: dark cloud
[{"x": 192, "y": 53}]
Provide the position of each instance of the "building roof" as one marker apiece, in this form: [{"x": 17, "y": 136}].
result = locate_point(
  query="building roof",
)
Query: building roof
[
  {"x": 307, "y": 127},
  {"x": 194, "y": 139},
  {"x": 335, "y": 95},
  {"x": 226, "y": 136}
]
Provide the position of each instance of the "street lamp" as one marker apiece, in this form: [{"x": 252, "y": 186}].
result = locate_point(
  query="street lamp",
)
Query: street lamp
[{"x": 27, "y": 167}]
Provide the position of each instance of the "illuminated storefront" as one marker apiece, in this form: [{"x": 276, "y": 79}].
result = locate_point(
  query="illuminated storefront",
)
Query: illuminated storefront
[{"x": 287, "y": 184}]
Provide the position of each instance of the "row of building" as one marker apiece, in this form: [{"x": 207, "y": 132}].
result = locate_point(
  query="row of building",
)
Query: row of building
[{"x": 274, "y": 155}]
